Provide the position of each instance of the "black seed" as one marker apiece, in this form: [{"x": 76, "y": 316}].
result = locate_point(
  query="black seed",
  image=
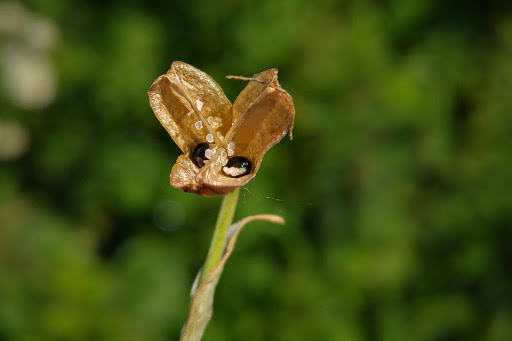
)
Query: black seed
[
  {"x": 198, "y": 156},
  {"x": 240, "y": 162}
]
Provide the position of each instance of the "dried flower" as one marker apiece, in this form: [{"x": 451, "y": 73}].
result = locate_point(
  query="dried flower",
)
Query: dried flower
[{"x": 222, "y": 144}]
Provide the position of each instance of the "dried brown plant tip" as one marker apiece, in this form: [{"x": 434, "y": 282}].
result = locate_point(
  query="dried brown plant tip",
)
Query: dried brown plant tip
[{"x": 223, "y": 144}]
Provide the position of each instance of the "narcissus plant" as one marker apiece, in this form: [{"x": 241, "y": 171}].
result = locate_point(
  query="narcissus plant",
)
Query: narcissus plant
[{"x": 223, "y": 146}]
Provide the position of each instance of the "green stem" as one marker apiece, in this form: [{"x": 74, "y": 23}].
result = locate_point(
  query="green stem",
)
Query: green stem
[{"x": 224, "y": 219}]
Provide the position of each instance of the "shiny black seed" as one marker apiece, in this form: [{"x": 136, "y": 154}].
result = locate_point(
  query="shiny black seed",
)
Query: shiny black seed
[
  {"x": 198, "y": 156},
  {"x": 240, "y": 162}
]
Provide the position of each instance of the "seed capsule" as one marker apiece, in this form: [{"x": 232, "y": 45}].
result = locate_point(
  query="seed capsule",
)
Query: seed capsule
[{"x": 199, "y": 118}]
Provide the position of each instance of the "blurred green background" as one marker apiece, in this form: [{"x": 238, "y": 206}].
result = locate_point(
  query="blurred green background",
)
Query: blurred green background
[{"x": 396, "y": 188}]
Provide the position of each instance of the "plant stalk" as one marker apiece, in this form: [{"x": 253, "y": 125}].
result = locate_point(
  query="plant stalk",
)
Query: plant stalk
[
  {"x": 201, "y": 306},
  {"x": 218, "y": 243}
]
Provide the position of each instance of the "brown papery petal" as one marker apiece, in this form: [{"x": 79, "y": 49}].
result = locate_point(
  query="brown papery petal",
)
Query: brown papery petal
[
  {"x": 184, "y": 99},
  {"x": 251, "y": 92},
  {"x": 266, "y": 122},
  {"x": 215, "y": 182},
  {"x": 183, "y": 175}
]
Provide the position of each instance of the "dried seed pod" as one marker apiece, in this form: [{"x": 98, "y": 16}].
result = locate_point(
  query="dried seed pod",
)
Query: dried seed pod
[{"x": 211, "y": 132}]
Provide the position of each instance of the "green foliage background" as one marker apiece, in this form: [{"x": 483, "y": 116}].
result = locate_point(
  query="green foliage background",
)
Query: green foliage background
[{"x": 396, "y": 188}]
